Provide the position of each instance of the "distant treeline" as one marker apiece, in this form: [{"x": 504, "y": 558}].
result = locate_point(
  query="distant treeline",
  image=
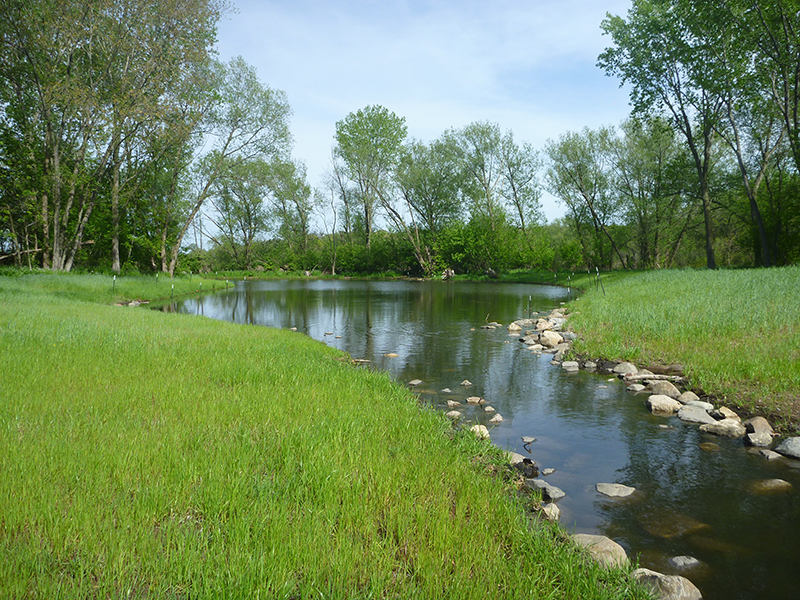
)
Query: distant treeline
[{"x": 124, "y": 145}]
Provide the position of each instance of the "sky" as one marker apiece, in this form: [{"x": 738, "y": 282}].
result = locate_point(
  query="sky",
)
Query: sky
[{"x": 529, "y": 66}]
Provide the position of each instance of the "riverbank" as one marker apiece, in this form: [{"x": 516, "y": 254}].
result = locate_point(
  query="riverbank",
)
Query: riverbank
[
  {"x": 736, "y": 333},
  {"x": 152, "y": 454}
]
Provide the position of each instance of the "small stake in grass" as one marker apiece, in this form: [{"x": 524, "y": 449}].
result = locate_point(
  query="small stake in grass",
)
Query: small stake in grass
[{"x": 114, "y": 284}]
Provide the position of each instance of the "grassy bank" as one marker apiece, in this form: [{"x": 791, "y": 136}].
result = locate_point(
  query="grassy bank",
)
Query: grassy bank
[
  {"x": 165, "y": 456},
  {"x": 736, "y": 332}
]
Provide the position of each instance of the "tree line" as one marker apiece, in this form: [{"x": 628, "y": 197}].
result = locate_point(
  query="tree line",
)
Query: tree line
[{"x": 121, "y": 136}]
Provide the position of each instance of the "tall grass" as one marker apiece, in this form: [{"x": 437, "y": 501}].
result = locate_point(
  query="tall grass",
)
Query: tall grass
[
  {"x": 152, "y": 455},
  {"x": 736, "y": 332}
]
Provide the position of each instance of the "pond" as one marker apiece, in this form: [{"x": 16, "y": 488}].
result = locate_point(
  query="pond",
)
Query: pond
[{"x": 695, "y": 493}]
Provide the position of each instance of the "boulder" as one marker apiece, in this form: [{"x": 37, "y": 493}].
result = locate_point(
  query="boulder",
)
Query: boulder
[
  {"x": 548, "y": 339},
  {"x": 615, "y": 490},
  {"x": 590, "y": 365},
  {"x": 543, "y": 325},
  {"x": 488, "y": 409},
  {"x": 514, "y": 327},
  {"x": 549, "y": 492},
  {"x": 625, "y": 368},
  {"x": 453, "y": 404},
  {"x": 687, "y": 397},
  {"x": 636, "y": 388},
  {"x": 684, "y": 562},
  {"x": 692, "y": 413},
  {"x": 605, "y": 551},
  {"x": 667, "y": 587},
  {"x": 759, "y": 432},
  {"x": 551, "y": 512},
  {"x": 664, "y": 388},
  {"x": 723, "y": 412},
  {"x": 662, "y": 405},
  {"x": 570, "y": 365},
  {"x": 453, "y": 414},
  {"x": 514, "y": 458},
  {"x": 789, "y": 447},
  {"x": 466, "y": 383},
  {"x": 727, "y": 428},
  {"x": 769, "y": 486},
  {"x": 480, "y": 432},
  {"x": 706, "y": 406},
  {"x": 769, "y": 454},
  {"x": 496, "y": 419},
  {"x": 475, "y": 400}
]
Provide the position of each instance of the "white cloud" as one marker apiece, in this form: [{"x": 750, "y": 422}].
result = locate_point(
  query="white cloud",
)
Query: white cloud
[{"x": 527, "y": 65}]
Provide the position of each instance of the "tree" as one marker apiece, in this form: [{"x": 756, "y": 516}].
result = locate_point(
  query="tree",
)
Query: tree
[
  {"x": 660, "y": 52},
  {"x": 520, "y": 187},
  {"x": 368, "y": 142},
  {"x": 290, "y": 201}
]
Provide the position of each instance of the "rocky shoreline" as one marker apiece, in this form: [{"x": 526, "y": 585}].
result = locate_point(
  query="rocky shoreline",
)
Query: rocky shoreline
[{"x": 665, "y": 392}]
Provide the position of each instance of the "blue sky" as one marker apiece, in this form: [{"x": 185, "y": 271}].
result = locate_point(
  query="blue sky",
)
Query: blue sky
[{"x": 528, "y": 66}]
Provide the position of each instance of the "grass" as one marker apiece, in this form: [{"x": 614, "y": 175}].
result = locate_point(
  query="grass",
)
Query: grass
[
  {"x": 737, "y": 332},
  {"x": 153, "y": 455}
]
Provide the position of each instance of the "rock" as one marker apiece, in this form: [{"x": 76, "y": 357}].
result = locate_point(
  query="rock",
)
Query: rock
[
  {"x": 665, "y": 388},
  {"x": 391, "y": 355},
  {"x": 789, "y": 447},
  {"x": 466, "y": 383},
  {"x": 625, "y": 368},
  {"x": 547, "y": 472},
  {"x": 475, "y": 400},
  {"x": 662, "y": 405},
  {"x": 692, "y": 413},
  {"x": 551, "y": 512},
  {"x": 480, "y": 432},
  {"x": 727, "y": 428},
  {"x": 570, "y": 365},
  {"x": 709, "y": 447},
  {"x": 667, "y": 587},
  {"x": 684, "y": 562},
  {"x": 536, "y": 348},
  {"x": 605, "y": 551},
  {"x": 415, "y": 382},
  {"x": 687, "y": 397},
  {"x": 723, "y": 412},
  {"x": 447, "y": 391},
  {"x": 769, "y": 486},
  {"x": 769, "y": 454},
  {"x": 526, "y": 439},
  {"x": 615, "y": 490},
  {"x": 706, "y": 406},
  {"x": 527, "y": 467},
  {"x": 590, "y": 365},
  {"x": 669, "y": 524},
  {"x": 548, "y": 338},
  {"x": 543, "y": 325},
  {"x": 569, "y": 336},
  {"x": 515, "y": 458},
  {"x": 453, "y": 414},
  {"x": 496, "y": 419},
  {"x": 530, "y": 340},
  {"x": 759, "y": 440},
  {"x": 514, "y": 327},
  {"x": 549, "y": 492},
  {"x": 636, "y": 388},
  {"x": 488, "y": 409},
  {"x": 453, "y": 404}
]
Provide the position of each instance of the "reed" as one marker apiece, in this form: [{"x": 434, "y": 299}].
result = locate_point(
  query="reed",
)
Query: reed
[{"x": 160, "y": 455}]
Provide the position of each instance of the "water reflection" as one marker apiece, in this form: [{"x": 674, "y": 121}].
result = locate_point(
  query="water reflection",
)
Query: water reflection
[{"x": 692, "y": 499}]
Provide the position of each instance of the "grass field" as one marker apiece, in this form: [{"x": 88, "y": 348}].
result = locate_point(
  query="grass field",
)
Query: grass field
[
  {"x": 153, "y": 455},
  {"x": 737, "y": 332}
]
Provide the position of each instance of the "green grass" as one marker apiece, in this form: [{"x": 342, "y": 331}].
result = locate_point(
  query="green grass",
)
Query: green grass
[
  {"x": 736, "y": 332},
  {"x": 153, "y": 455}
]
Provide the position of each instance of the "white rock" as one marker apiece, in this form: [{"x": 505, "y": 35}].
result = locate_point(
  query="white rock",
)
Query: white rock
[
  {"x": 605, "y": 551},
  {"x": 691, "y": 413},
  {"x": 480, "y": 431},
  {"x": 615, "y": 490},
  {"x": 683, "y": 562},
  {"x": 551, "y": 512},
  {"x": 453, "y": 414},
  {"x": 475, "y": 400},
  {"x": 665, "y": 388},
  {"x": 514, "y": 327},
  {"x": 662, "y": 405},
  {"x": 570, "y": 365},
  {"x": 466, "y": 383},
  {"x": 635, "y": 387},
  {"x": 667, "y": 587},
  {"x": 488, "y": 409},
  {"x": 415, "y": 382},
  {"x": 496, "y": 419},
  {"x": 550, "y": 339},
  {"x": 727, "y": 427},
  {"x": 706, "y": 406},
  {"x": 625, "y": 368},
  {"x": 687, "y": 397},
  {"x": 789, "y": 447},
  {"x": 453, "y": 404},
  {"x": 550, "y": 492}
]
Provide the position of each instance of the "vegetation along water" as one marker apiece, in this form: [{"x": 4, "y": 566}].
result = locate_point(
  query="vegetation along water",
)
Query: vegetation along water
[{"x": 147, "y": 454}]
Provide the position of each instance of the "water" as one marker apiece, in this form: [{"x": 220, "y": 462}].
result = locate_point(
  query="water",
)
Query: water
[{"x": 694, "y": 492}]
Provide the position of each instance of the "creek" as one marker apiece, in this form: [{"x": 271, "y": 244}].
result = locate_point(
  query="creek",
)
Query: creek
[{"x": 695, "y": 493}]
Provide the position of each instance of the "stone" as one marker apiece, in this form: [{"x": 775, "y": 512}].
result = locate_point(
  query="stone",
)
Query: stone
[
  {"x": 665, "y": 388},
  {"x": 496, "y": 419},
  {"x": 480, "y": 432},
  {"x": 569, "y": 336},
  {"x": 466, "y": 383},
  {"x": 415, "y": 382},
  {"x": 536, "y": 348},
  {"x": 687, "y": 397},
  {"x": 391, "y": 355},
  {"x": 475, "y": 400},
  {"x": 625, "y": 368},
  {"x": 769, "y": 454},
  {"x": 570, "y": 365},
  {"x": 453, "y": 414},
  {"x": 590, "y": 365},
  {"x": 727, "y": 428},
  {"x": 547, "y": 472},
  {"x": 549, "y": 492},
  {"x": 710, "y": 447},
  {"x": 543, "y": 325},
  {"x": 514, "y": 327},
  {"x": 615, "y": 490},
  {"x": 515, "y": 458},
  {"x": 684, "y": 562},
  {"x": 667, "y": 587},
  {"x": 636, "y": 388},
  {"x": 789, "y": 447},
  {"x": 758, "y": 425},
  {"x": 769, "y": 486},
  {"x": 605, "y": 551},
  {"x": 447, "y": 391},
  {"x": 488, "y": 409},
  {"x": 551, "y": 512},
  {"x": 662, "y": 405},
  {"x": 548, "y": 339},
  {"x": 706, "y": 406},
  {"x": 723, "y": 412},
  {"x": 527, "y": 439},
  {"x": 453, "y": 404},
  {"x": 692, "y": 413},
  {"x": 669, "y": 524},
  {"x": 758, "y": 440}
]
